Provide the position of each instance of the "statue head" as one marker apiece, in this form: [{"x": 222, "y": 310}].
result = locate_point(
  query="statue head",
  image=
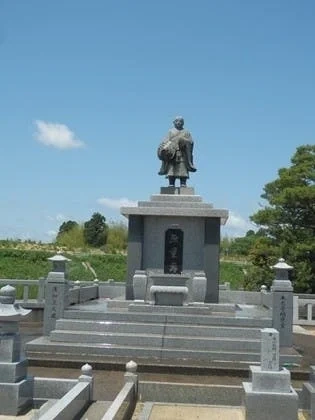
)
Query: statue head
[{"x": 178, "y": 123}]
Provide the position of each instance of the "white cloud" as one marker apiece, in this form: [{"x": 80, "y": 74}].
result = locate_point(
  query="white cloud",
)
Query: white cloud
[
  {"x": 116, "y": 203},
  {"x": 56, "y": 135},
  {"x": 58, "y": 218},
  {"x": 51, "y": 233},
  {"x": 237, "y": 225}
]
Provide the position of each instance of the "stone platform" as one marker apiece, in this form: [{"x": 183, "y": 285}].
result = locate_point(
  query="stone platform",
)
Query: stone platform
[{"x": 211, "y": 334}]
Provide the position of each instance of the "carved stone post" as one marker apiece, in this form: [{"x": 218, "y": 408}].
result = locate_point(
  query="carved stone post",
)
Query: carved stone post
[
  {"x": 282, "y": 303},
  {"x": 56, "y": 294}
]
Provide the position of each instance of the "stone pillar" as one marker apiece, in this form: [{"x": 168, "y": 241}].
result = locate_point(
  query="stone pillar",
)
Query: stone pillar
[
  {"x": 87, "y": 376},
  {"x": 140, "y": 281},
  {"x": 56, "y": 293},
  {"x": 270, "y": 395},
  {"x": 212, "y": 258},
  {"x": 135, "y": 251},
  {"x": 131, "y": 374},
  {"x": 308, "y": 394},
  {"x": 16, "y": 389},
  {"x": 282, "y": 303}
]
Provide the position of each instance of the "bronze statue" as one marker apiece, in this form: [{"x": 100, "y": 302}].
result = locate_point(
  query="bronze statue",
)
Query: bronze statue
[{"x": 176, "y": 154}]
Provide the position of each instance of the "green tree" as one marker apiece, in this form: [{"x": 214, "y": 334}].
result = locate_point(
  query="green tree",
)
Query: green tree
[
  {"x": 96, "y": 230},
  {"x": 66, "y": 227},
  {"x": 288, "y": 220},
  {"x": 73, "y": 238},
  {"x": 117, "y": 237}
]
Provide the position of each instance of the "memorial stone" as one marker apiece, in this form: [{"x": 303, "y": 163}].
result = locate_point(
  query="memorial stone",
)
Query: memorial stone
[
  {"x": 270, "y": 394},
  {"x": 269, "y": 349},
  {"x": 175, "y": 233}
]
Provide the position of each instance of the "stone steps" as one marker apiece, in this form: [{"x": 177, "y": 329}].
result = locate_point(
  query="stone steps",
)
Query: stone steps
[
  {"x": 162, "y": 318},
  {"x": 161, "y": 341},
  {"x": 160, "y": 336},
  {"x": 149, "y": 328},
  {"x": 43, "y": 348}
]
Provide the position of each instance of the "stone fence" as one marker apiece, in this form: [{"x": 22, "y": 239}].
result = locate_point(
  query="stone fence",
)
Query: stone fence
[
  {"x": 124, "y": 404},
  {"x": 304, "y": 309}
]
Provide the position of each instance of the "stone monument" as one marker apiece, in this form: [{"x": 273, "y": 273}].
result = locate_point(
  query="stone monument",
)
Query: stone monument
[
  {"x": 57, "y": 292},
  {"x": 270, "y": 394},
  {"x": 176, "y": 154},
  {"x": 174, "y": 239},
  {"x": 16, "y": 388},
  {"x": 282, "y": 303}
]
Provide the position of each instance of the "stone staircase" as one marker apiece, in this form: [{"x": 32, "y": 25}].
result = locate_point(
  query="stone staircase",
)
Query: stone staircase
[{"x": 158, "y": 334}]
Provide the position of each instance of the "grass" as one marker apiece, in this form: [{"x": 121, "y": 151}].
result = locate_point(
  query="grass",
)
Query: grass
[{"x": 24, "y": 264}]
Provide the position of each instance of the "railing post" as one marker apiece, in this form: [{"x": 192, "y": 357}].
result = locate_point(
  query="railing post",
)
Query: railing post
[
  {"x": 295, "y": 310},
  {"x": 131, "y": 374},
  {"x": 87, "y": 376},
  {"x": 41, "y": 289},
  {"x": 25, "y": 293},
  {"x": 309, "y": 311}
]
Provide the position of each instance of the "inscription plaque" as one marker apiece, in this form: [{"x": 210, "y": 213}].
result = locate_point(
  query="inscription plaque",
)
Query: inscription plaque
[{"x": 173, "y": 257}]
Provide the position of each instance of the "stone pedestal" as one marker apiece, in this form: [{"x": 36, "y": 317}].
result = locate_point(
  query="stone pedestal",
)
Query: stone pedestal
[
  {"x": 153, "y": 225},
  {"x": 16, "y": 389},
  {"x": 270, "y": 395}
]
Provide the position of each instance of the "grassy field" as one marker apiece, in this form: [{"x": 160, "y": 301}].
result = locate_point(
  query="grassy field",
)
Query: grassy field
[{"x": 23, "y": 264}]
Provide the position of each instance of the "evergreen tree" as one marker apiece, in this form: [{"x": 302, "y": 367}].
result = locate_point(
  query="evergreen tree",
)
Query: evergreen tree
[
  {"x": 66, "y": 227},
  {"x": 288, "y": 220},
  {"x": 96, "y": 230}
]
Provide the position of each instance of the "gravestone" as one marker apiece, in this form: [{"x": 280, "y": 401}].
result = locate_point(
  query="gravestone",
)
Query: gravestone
[{"x": 270, "y": 394}]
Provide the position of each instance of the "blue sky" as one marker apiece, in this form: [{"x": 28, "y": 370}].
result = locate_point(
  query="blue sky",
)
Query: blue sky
[{"x": 89, "y": 88}]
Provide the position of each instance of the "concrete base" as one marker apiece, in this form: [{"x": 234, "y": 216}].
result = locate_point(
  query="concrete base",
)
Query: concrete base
[
  {"x": 13, "y": 372},
  {"x": 177, "y": 190},
  {"x": 270, "y": 381},
  {"x": 169, "y": 295},
  {"x": 308, "y": 398},
  {"x": 270, "y": 405},
  {"x": 16, "y": 398},
  {"x": 10, "y": 345}
]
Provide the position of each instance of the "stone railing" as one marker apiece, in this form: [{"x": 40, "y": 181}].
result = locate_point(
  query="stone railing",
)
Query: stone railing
[
  {"x": 68, "y": 405},
  {"x": 124, "y": 404},
  {"x": 26, "y": 285},
  {"x": 82, "y": 291},
  {"x": 303, "y": 310},
  {"x": 79, "y": 291}
]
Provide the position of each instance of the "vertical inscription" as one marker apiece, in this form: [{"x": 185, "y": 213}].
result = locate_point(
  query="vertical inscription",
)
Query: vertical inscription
[
  {"x": 54, "y": 302},
  {"x": 269, "y": 349},
  {"x": 173, "y": 253},
  {"x": 283, "y": 312}
]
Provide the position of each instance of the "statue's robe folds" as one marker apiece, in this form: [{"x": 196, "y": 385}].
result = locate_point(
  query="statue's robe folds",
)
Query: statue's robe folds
[{"x": 176, "y": 153}]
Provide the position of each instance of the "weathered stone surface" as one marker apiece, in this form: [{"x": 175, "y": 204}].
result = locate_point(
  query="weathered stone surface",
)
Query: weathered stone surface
[
  {"x": 262, "y": 406},
  {"x": 13, "y": 372},
  {"x": 269, "y": 349},
  {"x": 270, "y": 381}
]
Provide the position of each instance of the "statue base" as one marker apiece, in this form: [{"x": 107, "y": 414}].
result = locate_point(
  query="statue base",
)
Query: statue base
[{"x": 177, "y": 190}]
